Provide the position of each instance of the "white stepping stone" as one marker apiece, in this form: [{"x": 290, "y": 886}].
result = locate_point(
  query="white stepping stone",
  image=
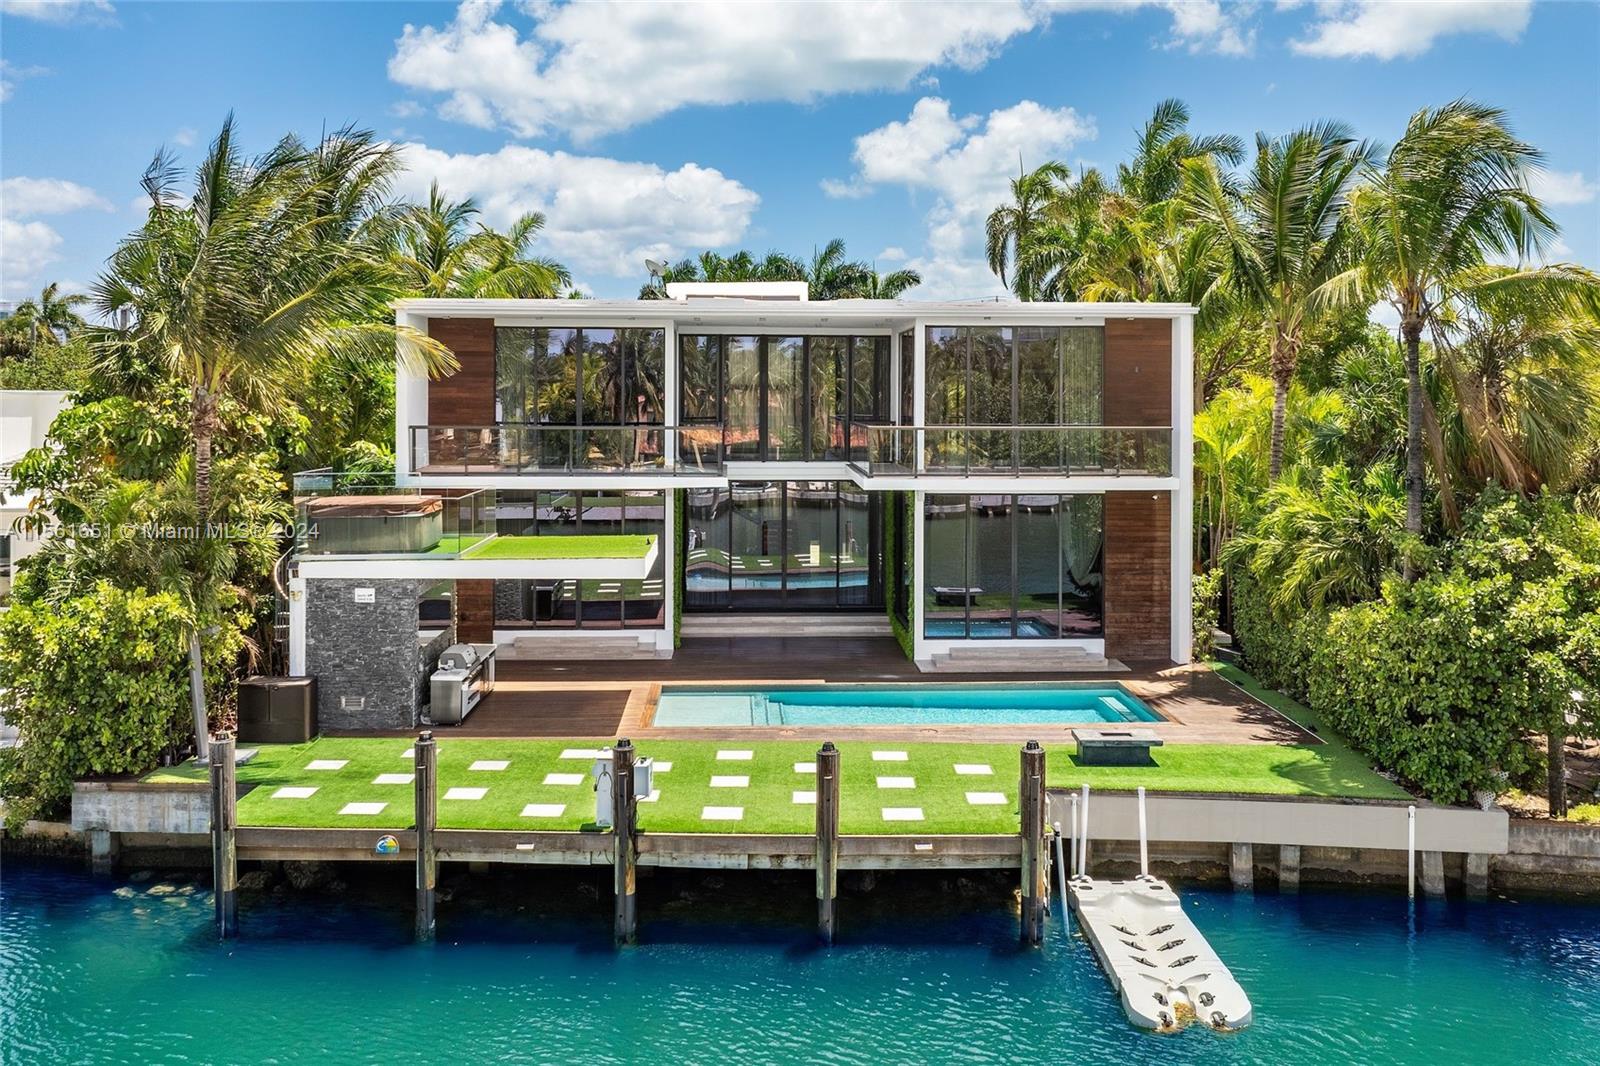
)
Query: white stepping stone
[
  {"x": 294, "y": 792},
  {"x": 465, "y": 793},
  {"x": 889, "y": 756},
  {"x": 544, "y": 810},
  {"x": 722, "y": 814},
  {"x": 563, "y": 779},
  {"x": 409, "y": 753},
  {"x": 897, "y": 782},
  {"x": 327, "y": 764},
  {"x": 804, "y": 797},
  {"x": 902, "y": 814},
  {"x": 490, "y": 764},
  {"x": 974, "y": 769},
  {"x": 735, "y": 756},
  {"x": 393, "y": 779},
  {"x": 805, "y": 767},
  {"x": 655, "y": 794},
  {"x": 986, "y": 799},
  {"x": 661, "y": 767},
  {"x": 730, "y": 781},
  {"x": 363, "y": 808},
  {"x": 581, "y": 753}
]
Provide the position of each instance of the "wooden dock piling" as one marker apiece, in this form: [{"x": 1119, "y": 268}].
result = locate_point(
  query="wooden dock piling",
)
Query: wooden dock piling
[
  {"x": 624, "y": 815},
  {"x": 224, "y": 850},
  {"x": 1035, "y": 888},
  {"x": 827, "y": 840},
  {"x": 425, "y": 763}
]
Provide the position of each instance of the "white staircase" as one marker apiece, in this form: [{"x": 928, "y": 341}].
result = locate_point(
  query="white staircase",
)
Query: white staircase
[
  {"x": 562, "y": 647},
  {"x": 728, "y": 626},
  {"x": 1014, "y": 658}
]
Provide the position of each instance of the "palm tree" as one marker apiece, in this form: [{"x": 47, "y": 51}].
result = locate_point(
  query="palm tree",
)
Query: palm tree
[
  {"x": 1285, "y": 233},
  {"x": 1009, "y": 229},
  {"x": 829, "y": 275},
  {"x": 1452, "y": 192},
  {"x": 875, "y": 286},
  {"x": 441, "y": 250},
  {"x": 1164, "y": 149},
  {"x": 237, "y": 291},
  {"x": 50, "y": 319}
]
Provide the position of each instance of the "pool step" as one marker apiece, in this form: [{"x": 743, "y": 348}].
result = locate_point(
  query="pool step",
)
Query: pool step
[
  {"x": 869, "y": 624},
  {"x": 1012, "y": 659},
  {"x": 563, "y": 647}
]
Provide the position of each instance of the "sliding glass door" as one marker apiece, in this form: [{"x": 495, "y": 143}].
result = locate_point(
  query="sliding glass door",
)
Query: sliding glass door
[{"x": 1012, "y": 567}]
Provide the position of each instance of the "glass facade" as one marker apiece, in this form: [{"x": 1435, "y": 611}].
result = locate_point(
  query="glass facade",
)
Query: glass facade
[
  {"x": 1021, "y": 375},
  {"x": 582, "y": 604},
  {"x": 784, "y": 399},
  {"x": 1012, "y": 567},
  {"x": 575, "y": 377},
  {"x": 783, "y": 545}
]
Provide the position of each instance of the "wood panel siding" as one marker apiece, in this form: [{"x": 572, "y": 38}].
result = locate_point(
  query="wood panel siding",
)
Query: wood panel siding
[
  {"x": 465, "y": 398},
  {"x": 1138, "y": 372},
  {"x": 475, "y": 612},
  {"x": 1138, "y": 575}
]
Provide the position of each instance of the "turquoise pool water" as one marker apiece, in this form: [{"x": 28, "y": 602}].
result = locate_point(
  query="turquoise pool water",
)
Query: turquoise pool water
[
  {"x": 116, "y": 973},
  {"x": 800, "y": 705}
]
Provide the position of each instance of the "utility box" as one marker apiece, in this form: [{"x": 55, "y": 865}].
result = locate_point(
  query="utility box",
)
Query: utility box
[
  {"x": 644, "y": 774},
  {"x": 277, "y": 710},
  {"x": 601, "y": 772}
]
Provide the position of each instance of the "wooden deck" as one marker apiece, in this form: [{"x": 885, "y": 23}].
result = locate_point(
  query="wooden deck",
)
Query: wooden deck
[{"x": 618, "y": 698}]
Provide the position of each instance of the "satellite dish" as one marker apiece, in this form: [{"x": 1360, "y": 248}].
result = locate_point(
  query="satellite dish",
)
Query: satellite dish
[{"x": 655, "y": 266}]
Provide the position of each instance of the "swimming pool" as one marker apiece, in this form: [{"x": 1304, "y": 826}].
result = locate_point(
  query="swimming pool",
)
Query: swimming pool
[{"x": 803, "y": 705}]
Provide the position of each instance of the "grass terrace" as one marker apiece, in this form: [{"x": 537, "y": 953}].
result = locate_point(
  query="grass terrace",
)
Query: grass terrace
[{"x": 742, "y": 787}]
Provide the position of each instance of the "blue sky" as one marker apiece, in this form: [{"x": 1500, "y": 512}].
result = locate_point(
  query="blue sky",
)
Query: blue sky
[{"x": 663, "y": 129}]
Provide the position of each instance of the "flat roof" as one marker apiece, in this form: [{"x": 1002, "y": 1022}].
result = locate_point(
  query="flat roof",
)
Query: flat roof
[{"x": 730, "y": 309}]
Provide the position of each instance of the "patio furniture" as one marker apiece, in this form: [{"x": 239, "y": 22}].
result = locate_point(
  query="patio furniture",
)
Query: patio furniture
[{"x": 949, "y": 596}]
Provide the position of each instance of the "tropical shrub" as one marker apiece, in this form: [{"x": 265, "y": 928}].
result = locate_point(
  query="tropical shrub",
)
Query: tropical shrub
[
  {"x": 1207, "y": 594},
  {"x": 1276, "y": 648},
  {"x": 96, "y": 684}
]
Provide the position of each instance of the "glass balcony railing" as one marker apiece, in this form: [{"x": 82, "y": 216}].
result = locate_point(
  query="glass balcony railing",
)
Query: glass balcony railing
[
  {"x": 1010, "y": 451},
  {"x": 536, "y": 448},
  {"x": 368, "y": 515}
]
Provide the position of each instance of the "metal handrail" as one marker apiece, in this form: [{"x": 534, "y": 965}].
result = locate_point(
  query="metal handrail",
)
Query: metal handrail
[
  {"x": 542, "y": 447},
  {"x": 1010, "y": 449}
]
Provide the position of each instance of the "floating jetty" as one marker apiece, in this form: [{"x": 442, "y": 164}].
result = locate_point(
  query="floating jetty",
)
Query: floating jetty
[{"x": 1164, "y": 970}]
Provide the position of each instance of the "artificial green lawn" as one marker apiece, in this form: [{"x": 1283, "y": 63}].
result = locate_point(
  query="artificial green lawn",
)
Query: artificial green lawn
[
  {"x": 609, "y": 546},
  {"x": 1263, "y": 769}
]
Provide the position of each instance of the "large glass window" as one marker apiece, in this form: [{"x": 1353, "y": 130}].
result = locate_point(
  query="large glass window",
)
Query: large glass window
[
  {"x": 908, "y": 378},
  {"x": 1012, "y": 567},
  {"x": 827, "y": 358},
  {"x": 786, "y": 399},
  {"x": 700, "y": 379},
  {"x": 567, "y": 377},
  {"x": 1030, "y": 375},
  {"x": 774, "y": 545},
  {"x": 572, "y": 603},
  {"x": 743, "y": 390}
]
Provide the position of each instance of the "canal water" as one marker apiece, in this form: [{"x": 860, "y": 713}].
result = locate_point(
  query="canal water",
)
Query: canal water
[{"x": 129, "y": 971}]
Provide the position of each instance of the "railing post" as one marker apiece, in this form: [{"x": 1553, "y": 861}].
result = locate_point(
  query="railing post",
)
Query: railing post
[
  {"x": 624, "y": 812},
  {"x": 827, "y": 841},
  {"x": 425, "y": 765},
  {"x": 1031, "y": 804},
  {"x": 224, "y": 852}
]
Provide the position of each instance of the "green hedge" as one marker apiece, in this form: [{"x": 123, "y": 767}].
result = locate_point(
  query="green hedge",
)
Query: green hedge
[
  {"x": 1276, "y": 650},
  {"x": 896, "y": 513},
  {"x": 680, "y": 521}
]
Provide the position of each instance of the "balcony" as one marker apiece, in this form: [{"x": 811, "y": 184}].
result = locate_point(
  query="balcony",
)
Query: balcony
[
  {"x": 884, "y": 451},
  {"x": 365, "y": 525},
  {"x": 512, "y": 448}
]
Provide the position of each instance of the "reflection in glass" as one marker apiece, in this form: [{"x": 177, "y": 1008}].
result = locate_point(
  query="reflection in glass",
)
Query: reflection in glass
[
  {"x": 756, "y": 544},
  {"x": 812, "y": 559},
  {"x": 860, "y": 547},
  {"x": 786, "y": 415},
  {"x": 644, "y": 354},
  {"x": 706, "y": 562},
  {"x": 826, "y": 357},
  {"x": 700, "y": 378},
  {"x": 743, "y": 387},
  {"x": 944, "y": 568}
]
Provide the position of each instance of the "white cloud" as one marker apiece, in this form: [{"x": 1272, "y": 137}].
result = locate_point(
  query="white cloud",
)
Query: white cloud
[
  {"x": 184, "y": 136},
  {"x": 1384, "y": 29},
  {"x": 605, "y": 216},
  {"x": 10, "y": 74},
  {"x": 967, "y": 161},
  {"x": 27, "y": 245},
  {"x": 593, "y": 68},
  {"x": 835, "y": 189},
  {"x": 405, "y": 109},
  {"x": 61, "y": 11},
  {"x": 1563, "y": 187},
  {"x": 892, "y": 254}
]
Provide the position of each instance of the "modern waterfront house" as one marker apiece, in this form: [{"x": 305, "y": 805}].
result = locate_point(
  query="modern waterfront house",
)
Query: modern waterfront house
[{"x": 1007, "y": 482}]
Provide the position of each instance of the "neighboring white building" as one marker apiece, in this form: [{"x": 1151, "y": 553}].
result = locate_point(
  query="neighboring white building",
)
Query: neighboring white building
[{"x": 25, "y": 417}]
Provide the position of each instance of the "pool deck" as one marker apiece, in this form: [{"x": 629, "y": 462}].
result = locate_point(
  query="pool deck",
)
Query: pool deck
[{"x": 618, "y": 698}]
